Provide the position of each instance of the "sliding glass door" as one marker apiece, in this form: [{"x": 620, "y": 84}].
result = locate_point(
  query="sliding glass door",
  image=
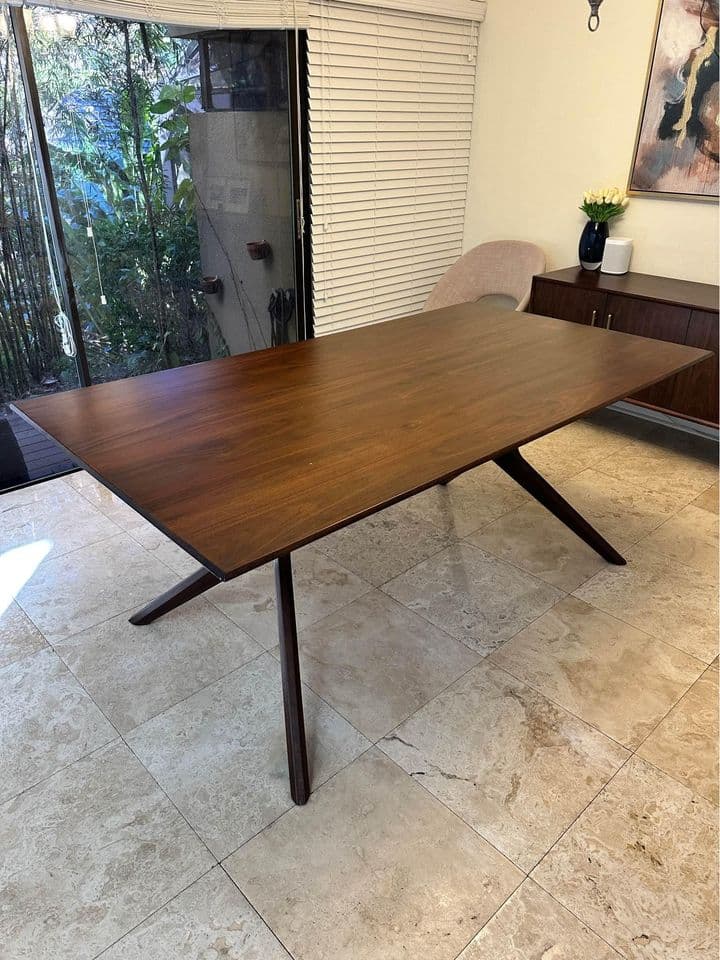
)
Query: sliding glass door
[
  {"x": 152, "y": 196},
  {"x": 172, "y": 162}
]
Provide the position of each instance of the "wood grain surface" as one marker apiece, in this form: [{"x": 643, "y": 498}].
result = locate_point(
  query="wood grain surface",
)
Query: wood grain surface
[{"x": 243, "y": 459}]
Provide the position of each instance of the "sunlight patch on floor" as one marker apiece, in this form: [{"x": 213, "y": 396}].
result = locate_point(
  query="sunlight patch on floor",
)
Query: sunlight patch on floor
[{"x": 17, "y": 567}]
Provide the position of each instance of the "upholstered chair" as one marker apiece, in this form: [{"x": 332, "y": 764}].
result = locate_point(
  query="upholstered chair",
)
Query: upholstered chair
[{"x": 501, "y": 270}]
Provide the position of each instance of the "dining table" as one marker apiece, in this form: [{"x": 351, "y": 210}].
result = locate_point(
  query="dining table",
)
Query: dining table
[{"x": 244, "y": 459}]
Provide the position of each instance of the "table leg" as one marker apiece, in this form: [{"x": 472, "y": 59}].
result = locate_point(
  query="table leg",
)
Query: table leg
[
  {"x": 190, "y": 587},
  {"x": 292, "y": 687},
  {"x": 515, "y": 466}
]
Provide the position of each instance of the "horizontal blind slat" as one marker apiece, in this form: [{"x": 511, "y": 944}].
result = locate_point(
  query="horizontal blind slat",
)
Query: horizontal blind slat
[{"x": 390, "y": 127}]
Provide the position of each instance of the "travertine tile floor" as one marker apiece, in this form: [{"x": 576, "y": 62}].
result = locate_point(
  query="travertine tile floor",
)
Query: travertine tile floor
[{"x": 513, "y": 745}]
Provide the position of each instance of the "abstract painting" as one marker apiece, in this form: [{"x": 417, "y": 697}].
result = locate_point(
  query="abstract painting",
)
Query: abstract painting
[{"x": 676, "y": 153}]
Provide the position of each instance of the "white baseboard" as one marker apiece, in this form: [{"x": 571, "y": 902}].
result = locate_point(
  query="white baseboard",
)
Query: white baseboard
[{"x": 666, "y": 419}]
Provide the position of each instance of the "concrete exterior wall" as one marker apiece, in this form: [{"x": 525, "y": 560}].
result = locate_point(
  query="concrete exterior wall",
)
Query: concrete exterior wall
[{"x": 241, "y": 171}]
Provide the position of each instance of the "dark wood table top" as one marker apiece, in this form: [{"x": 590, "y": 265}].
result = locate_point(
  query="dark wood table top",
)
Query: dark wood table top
[
  {"x": 242, "y": 459},
  {"x": 643, "y": 286}
]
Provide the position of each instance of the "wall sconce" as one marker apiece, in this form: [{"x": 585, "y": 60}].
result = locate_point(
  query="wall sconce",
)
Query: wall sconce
[{"x": 594, "y": 18}]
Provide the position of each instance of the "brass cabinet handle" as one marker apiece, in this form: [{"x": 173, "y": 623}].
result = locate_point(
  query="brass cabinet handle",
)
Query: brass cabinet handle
[
  {"x": 593, "y": 318},
  {"x": 609, "y": 321}
]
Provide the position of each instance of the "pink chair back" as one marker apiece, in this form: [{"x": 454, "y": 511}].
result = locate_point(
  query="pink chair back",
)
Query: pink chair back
[{"x": 504, "y": 267}]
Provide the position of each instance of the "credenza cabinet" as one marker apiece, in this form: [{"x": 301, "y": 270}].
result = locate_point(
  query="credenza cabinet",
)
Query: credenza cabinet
[{"x": 657, "y": 307}]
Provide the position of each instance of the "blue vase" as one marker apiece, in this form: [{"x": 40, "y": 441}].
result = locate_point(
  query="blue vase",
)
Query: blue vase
[{"x": 592, "y": 245}]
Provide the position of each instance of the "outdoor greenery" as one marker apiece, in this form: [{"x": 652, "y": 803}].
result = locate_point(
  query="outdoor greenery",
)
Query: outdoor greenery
[
  {"x": 116, "y": 99},
  {"x": 30, "y": 351}
]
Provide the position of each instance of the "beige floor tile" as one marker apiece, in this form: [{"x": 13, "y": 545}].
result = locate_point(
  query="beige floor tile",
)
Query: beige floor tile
[
  {"x": 34, "y": 493},
  {"x": 321, "y": 586},
  {"x": 514, "y": 766},
  {"x": 376, "y": 662},
  {"x": 140, "y": 529},
  {"x": 615, "y": 677},
  {"x": 62, "y": 519},
  {"x": 164, "y": 549},
  {"x": 372, "y": 867},
  {"x": 211, "y": 920},
  {"x": 685, "y": 744},
  {"x": 622, "y": 512},
  {"x": 220, "y": 755},
  {"x": 639, "y": 867},
  {"x": 662, "y": 597},
  {"x": 86, "y": 855},
  {"x": 19, "y": 636},
  {"x": 566, "y": 452},
  {"x": 473, "y": 596},
  {"x": 467, "y": 503},
  {"x": 134, "y": 673},
  {"x": 385, "y": 544},
  {"x": 106, "y": 501},
  {"x": 690, "y": 537},
  {"x": 46, "y": 721},
  {"x": 708, "y": 500},
  {"x": 68, "y": 594},
  {"x": 533, "y": 926},
  {"x": 670, "y": 462},
  {"x": 534, "y": 540}
]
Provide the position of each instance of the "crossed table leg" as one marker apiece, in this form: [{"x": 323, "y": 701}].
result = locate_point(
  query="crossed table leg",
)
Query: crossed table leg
[{"x": 512, "y": 463}]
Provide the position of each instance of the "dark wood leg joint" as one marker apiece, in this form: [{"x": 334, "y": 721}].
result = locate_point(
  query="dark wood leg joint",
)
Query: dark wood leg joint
[
  {"x": 292, "y": 687},
  {"x": 515, "y": 466}
]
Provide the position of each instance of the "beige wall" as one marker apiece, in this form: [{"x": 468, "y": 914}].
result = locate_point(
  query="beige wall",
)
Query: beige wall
[{"x": 556, "y": 113}]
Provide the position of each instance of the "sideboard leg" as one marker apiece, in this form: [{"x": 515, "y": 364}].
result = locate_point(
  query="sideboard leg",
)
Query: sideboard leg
[{"x": 292, "y": 687}]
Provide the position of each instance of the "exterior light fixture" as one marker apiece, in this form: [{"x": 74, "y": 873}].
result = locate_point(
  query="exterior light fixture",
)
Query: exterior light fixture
[
  {"x": 66, "y": 25},
  {"x": 594, "y": 18},
  {"x": 62, "y": 25}
]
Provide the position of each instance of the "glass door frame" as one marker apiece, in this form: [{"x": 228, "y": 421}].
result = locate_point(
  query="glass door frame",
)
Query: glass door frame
[
  {"x": 297, "y": 60},
  {"x": 47, "y": 181}
]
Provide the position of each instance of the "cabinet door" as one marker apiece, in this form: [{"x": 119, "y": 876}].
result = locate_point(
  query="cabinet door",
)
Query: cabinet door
[
  {"x": 567, "y": 303},
  {"x": 695, "y": 391},
  {"x": 658, "y": 321}
]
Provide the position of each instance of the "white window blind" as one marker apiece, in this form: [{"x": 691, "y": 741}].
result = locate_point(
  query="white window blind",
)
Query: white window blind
[
  {"x": 210, "y": 14},
  {"x": 391, "y": 102}
]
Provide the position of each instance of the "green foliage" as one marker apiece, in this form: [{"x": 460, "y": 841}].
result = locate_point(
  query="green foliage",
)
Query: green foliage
[
  {"x": 31, "y": 358},
  {"x": 146, "y": 239}
]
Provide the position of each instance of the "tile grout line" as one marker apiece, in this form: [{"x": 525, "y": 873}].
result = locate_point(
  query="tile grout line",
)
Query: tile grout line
[
  {"x": 154, "y": 912},
  {"x": 402, "y": 606},
  {"x": 577, "y": 716},
  {"x": 64, "y": 556},
  {"x": 66, "y": 766},
  {"x": 613, "y": 614},
  {"x": 149, "y": 772},
  {"x": 633, "y": 752},
  {"x": 290, "y": 808},
  {"x": 257, "y": 912},
  {"x": 404, "y": 773},
  {"x": 608, "y": 567},
  {"x": 659, "y": 723}
]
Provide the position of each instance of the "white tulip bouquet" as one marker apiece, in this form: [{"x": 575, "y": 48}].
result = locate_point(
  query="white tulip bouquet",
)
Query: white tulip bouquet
[{"x": 600, "y": 206}]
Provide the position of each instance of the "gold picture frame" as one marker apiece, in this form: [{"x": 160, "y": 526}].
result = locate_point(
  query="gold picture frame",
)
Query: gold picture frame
[{"x": 672, "y": 144}]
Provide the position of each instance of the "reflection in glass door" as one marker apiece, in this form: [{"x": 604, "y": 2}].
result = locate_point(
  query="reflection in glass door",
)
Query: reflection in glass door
[{"x": 171, "y": 154}]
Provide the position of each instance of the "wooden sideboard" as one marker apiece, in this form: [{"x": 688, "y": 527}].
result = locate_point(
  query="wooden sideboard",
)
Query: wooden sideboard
[{"x": 659, "y": 307}]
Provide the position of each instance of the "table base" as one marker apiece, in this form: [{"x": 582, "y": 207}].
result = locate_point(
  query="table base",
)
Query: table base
[{"x": 512, "y": 463}]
